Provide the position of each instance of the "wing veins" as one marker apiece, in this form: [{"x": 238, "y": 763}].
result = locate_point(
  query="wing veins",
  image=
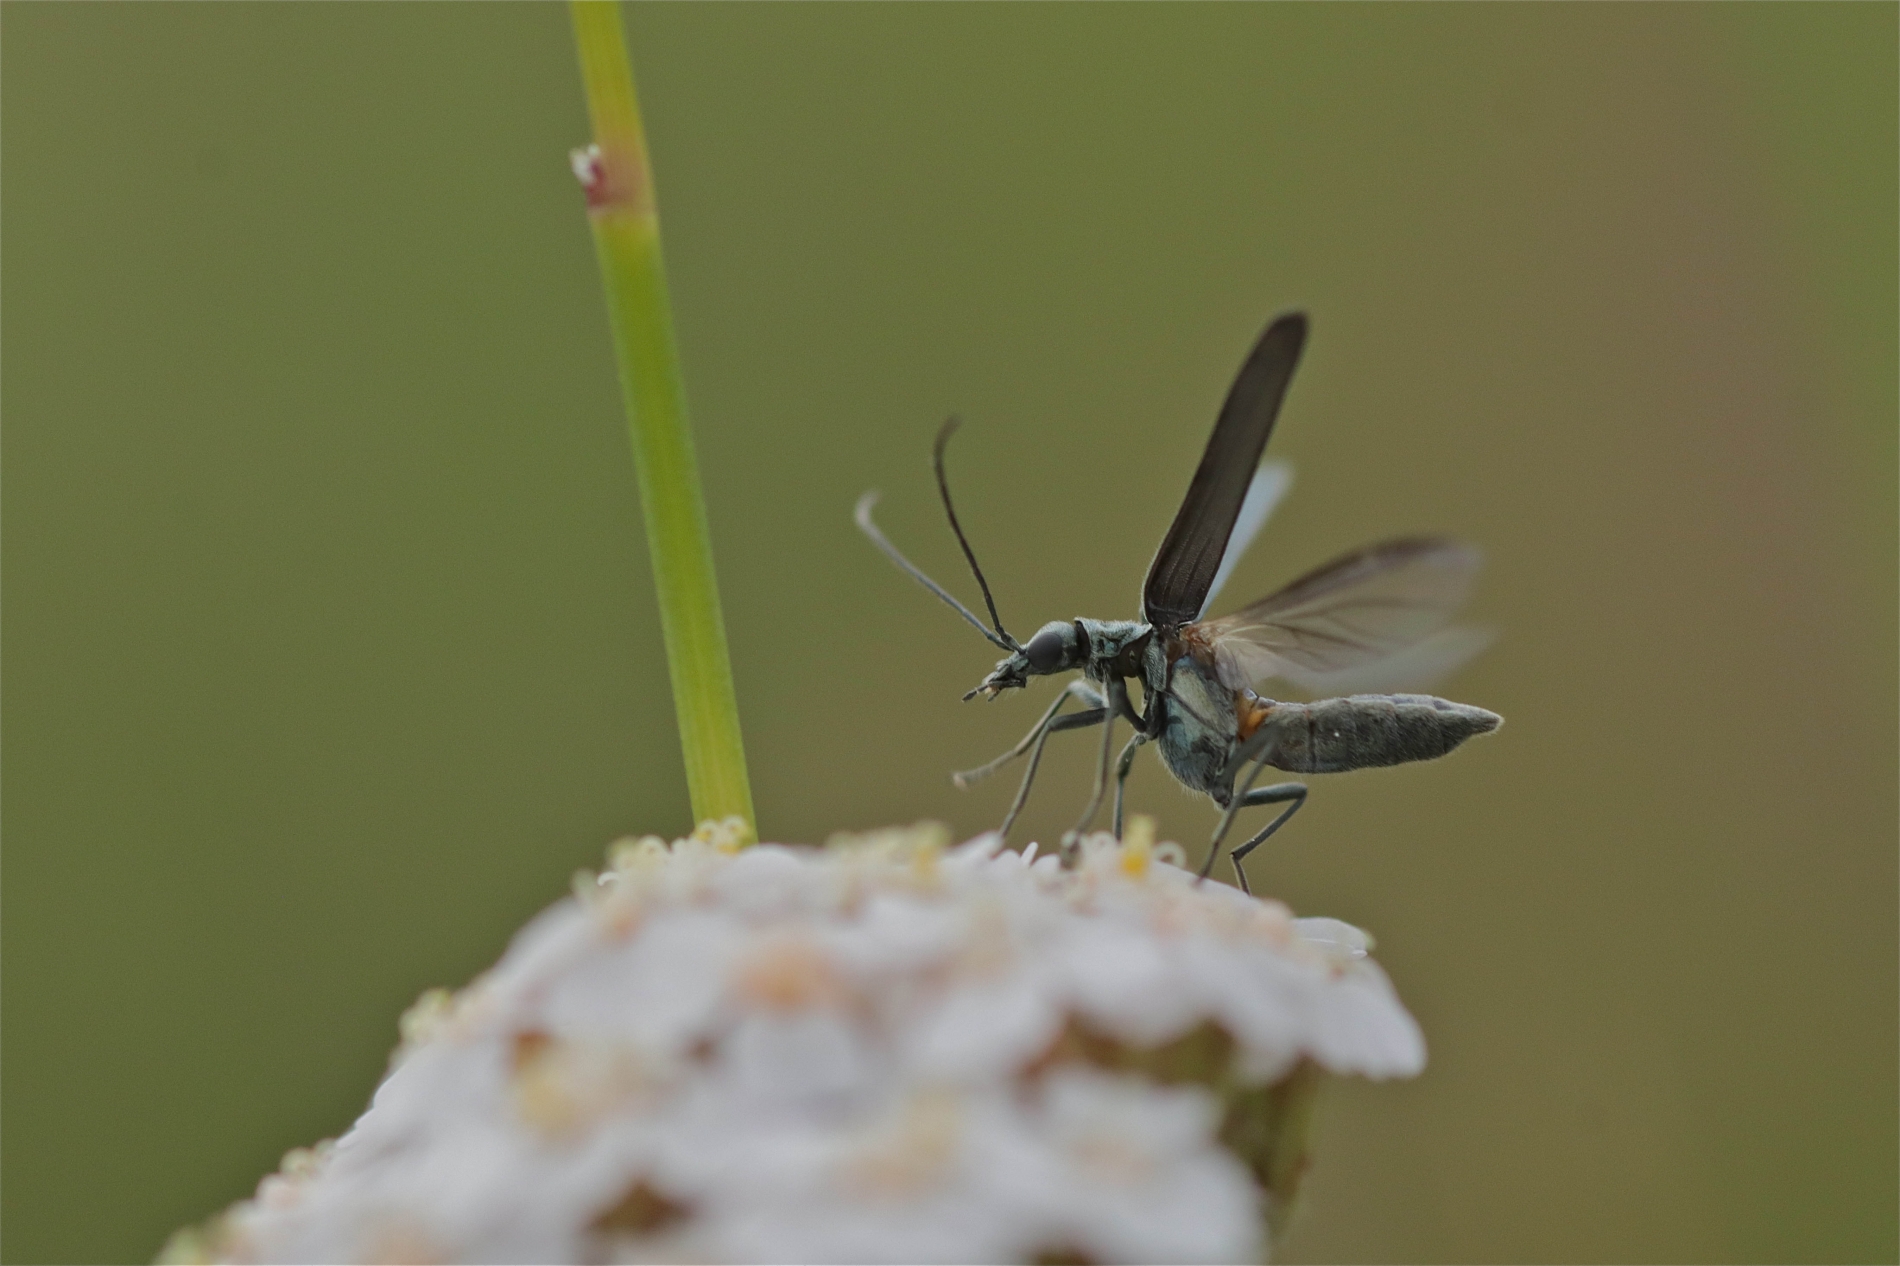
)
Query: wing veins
[{"x": 1338, "y": 617}]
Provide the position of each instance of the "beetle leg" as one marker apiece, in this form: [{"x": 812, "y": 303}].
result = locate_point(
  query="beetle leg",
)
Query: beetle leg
[
  {"x": 1077, "y": 689},
  {"x": 1118, "y": 705},
  {"x": 1121, "y": 775},
  {"x": 1291, "y": 794},
  {"x": 1034, "y": 740}
]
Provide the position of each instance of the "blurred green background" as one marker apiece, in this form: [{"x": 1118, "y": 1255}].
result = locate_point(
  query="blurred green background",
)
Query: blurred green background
[{"x": 330, "y": 649}]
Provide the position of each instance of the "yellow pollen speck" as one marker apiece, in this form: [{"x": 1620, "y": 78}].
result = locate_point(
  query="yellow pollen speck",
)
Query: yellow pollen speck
[
  {"x": 1138, "y": 844},
  {"x": 923, "y": 861}
]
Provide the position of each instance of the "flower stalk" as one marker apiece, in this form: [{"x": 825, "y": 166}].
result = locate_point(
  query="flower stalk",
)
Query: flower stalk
[{"x": 622, "y": 212}]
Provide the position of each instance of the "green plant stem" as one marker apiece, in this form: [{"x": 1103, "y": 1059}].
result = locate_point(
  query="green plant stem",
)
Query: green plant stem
[{"x": 620, "y": 207}]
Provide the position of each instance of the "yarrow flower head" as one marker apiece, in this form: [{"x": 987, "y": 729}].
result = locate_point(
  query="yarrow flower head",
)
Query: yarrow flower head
[{"x": 887, "y": 1049}]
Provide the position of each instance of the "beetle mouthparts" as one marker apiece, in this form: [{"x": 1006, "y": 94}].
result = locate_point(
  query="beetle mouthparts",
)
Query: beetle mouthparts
[{"x": 991, "y": 686}]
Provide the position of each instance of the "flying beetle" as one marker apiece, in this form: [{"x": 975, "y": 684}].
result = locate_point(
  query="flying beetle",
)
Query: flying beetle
[{"x": 1384, "y": 608}]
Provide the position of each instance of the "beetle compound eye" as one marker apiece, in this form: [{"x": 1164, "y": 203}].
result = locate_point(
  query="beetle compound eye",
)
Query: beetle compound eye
[{"x": 1044, "y": 651}]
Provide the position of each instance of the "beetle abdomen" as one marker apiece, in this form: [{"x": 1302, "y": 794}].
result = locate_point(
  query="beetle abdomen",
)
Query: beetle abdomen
[
  {"x": 1330, "y": 736},
  {"x": 1198, "y": 734}
]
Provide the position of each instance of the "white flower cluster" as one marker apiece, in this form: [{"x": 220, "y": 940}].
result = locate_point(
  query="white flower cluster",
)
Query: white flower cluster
[{"x": 884, "y": 1050}]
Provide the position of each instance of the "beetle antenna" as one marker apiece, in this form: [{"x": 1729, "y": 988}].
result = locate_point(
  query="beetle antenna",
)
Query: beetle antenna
[
  {"x": 870, "y": 529},
  {"x": 943, "y": 486}
]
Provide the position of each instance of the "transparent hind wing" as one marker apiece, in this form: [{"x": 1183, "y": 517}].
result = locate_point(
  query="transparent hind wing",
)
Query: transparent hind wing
[
  {"x": 1270, "y": 484},
  {"x": 1417, "y": 667},
  {"x": 1352, "y": 613}
]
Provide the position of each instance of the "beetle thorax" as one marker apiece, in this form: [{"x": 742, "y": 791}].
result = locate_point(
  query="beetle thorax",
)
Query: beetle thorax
[{"x": 1115, "y": 647}]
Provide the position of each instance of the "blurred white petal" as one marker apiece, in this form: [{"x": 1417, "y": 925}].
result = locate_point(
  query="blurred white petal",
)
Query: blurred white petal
[{"x": 884, "y": 1050}]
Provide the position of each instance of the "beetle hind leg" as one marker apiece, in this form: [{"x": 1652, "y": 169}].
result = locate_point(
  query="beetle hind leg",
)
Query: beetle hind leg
[{"x": 1291, "y": 794}]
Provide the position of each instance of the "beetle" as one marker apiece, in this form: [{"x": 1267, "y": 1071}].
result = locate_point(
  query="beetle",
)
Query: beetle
[{"x": 1384, "y": 609}]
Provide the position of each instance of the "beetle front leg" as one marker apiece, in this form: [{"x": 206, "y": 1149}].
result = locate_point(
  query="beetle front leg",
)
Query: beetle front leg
[
  {"x": 1035, "y": 739},
  {"x": 1077, "y": 689}
]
